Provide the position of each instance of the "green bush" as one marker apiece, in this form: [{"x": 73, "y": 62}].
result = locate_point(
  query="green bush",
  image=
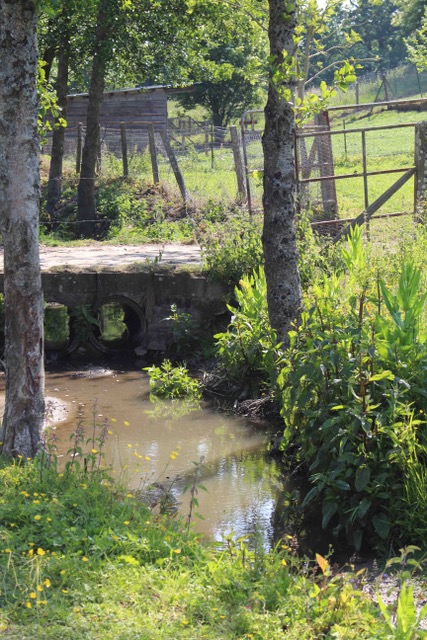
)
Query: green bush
[
  {"x": 233, "y": 249},
  {"x": 168, "y": 381},
  {"x": 249, "y": 348},
  {"x": 353, "y": 394}
]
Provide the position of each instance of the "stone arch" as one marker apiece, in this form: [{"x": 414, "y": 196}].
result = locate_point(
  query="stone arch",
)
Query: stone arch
[
  {"x": 130, "y": 323},
  {"x": 61, "y": 336}
]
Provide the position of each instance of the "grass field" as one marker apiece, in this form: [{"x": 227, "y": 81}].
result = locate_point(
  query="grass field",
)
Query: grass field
[{"x": 210, "y": 176}]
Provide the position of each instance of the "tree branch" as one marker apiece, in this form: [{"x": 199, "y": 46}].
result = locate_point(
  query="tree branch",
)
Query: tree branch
[{"x": 335, "y": 64}]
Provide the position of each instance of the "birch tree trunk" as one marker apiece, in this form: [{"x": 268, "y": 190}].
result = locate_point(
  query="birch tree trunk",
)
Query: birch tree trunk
[
  {"x": 279, "y": 199},
  {"x": 19, "y": 210}
]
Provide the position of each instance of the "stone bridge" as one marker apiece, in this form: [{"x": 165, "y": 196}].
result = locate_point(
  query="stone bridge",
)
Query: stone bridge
[{"x": 137, "y": 293}]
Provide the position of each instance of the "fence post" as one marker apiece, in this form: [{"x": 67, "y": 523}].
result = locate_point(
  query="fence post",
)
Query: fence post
[
  {"x": 420, "y": 181},
  {"x": 326, "y": 168},
  {"x": 79, "y": 147},
  {"x": 357, "y": 92},
  {"x": 241, "y": 187},
  {"x": 365, "y": 181},
  {"x": 124, "y": 149},
  {"x": 206, "y": 127},
  {"x": 174, "y": 164},
  {"x": 153, "y": 154},
  {"x": 246, "y": 163},
  {"x": 99, "y": 157},
  {"x": 212, "y": 145}
]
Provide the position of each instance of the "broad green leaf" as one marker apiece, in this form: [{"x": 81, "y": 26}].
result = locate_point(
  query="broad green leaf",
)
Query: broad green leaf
[
  {"x": 384, "y": 375},
  {"x": 382, "y": 525},
  {"x": 329, "y": 509},
  {"x": 363, "y": 475}
]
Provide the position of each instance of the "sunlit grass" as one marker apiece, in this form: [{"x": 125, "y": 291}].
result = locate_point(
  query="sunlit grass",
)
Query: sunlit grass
[{"x": 81, "y": 558}]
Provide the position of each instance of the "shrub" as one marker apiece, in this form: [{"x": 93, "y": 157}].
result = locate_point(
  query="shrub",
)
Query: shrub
[
  {"x": 232, "y": 250},
  {"x": 353, "y": 395},
  {"x": 168, "y": 381},
  {"x": 249, "y": 347}
]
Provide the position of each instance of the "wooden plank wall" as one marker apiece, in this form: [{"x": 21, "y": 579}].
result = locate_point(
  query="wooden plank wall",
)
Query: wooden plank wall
[{"x": 133, "y": 106}]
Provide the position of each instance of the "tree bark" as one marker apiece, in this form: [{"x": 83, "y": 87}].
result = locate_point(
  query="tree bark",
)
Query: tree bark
[
  {"x": 86, "y": 198},
  {"x": 279, "y": 199},
  {"x": 19, "y": 210},
  {"x": 48, "y": 58},
  {"x": 54, "y": 189}
]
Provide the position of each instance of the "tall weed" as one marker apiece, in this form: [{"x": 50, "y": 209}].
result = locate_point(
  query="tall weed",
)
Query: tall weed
[
  {"x": 249, "y": 348},
  {"x": 353, "y": 394}
]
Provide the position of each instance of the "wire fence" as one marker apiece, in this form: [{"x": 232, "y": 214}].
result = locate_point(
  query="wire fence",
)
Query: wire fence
[
  {"x": 361, "y": 149},
  {"x": 387, "y": 84},
  {"x": 203, "y": 157}
]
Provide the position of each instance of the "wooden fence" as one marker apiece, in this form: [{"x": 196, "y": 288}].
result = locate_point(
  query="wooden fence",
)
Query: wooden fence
[{"x": 315, "y": 165}]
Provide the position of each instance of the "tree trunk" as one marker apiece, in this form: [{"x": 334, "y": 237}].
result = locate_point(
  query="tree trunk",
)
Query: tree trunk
[
  {"x": 19, "y": 209},
  {"x": 86, "y": 197},
  {"x": 54, "y": 190},
  {"x": 48, "y": 58},
  {"x": 219, "y": 127},
  {"x": 279, "y": 199}
]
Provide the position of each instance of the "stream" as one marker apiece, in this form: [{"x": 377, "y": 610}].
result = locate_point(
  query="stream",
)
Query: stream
[{"x": 164, "y": 445}]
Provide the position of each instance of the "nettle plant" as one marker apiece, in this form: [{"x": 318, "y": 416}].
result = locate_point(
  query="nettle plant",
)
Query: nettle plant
[{"x": 353, "y": 394}]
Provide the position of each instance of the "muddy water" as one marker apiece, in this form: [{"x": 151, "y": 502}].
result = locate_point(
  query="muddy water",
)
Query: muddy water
[{"x": 155, "y": 444}]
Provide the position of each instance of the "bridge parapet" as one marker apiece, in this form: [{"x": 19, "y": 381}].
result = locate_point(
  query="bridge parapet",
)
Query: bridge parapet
[{"x": 147, "y": 294}]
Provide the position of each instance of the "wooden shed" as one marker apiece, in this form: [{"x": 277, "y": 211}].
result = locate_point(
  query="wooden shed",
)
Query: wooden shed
[{"x": 135, "y": 107}]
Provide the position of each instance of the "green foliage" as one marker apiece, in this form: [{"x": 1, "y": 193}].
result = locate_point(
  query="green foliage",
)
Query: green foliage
[
  {"x": 187, "y": 339},
  {"x": 47, "y": 104},
  {"x": 353, "y": 395},
  {"x": 402, "y": 617},
  {"x": 228, "y": 66},
  {"x": 82, "y": 558},
  {"x": 168, "y": 381},
  {"x": 84, "y": 322},
  {"x": 232, "y": 250},
  {"x": 249, "y": 348},
  {"x": 311, "y": 258}
]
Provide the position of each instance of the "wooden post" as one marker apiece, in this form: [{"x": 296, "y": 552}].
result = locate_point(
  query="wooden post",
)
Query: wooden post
[
  {"x": 420, "y": 186},
  {"x": 153, "y": 154},
  {"x": 124, "y": 149},
  {"x": 246, "y": 166},
  {"x": 419, "y": 83},
  {"x": 206, "y": 127},
  {"x": 385, "y": 85},
  {"x": 79, "y": 147},
  {"x": 326, "y": 168},
  {"x": 365, "y": 181},
  {"x": 238, "y": 165},
  {"x": 345, "y": 140},
  {"x": 212, "y": 145},
  {"x": 357, "y": 92},
  {"x": 174, "y": 164},
  {"x": 99, "y": 158}
]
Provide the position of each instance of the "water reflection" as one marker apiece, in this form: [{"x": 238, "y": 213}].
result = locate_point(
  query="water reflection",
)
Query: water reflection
[{"x": 152, "y": 443}]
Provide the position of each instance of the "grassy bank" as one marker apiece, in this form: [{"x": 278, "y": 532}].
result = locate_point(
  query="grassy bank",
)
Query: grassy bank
[{"x": 82, "y": 558}]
